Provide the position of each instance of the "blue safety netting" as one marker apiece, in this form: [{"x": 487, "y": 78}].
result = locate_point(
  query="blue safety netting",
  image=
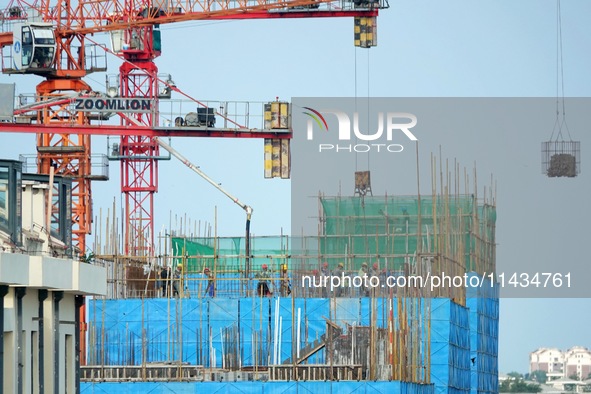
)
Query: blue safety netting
[
  {"x": 483, "y": 302},
  {"x": 195, "y": 330},
  {"x": 256, "y": 388},
  {"x": 463, "y": 339},
  {"x": 450, "y": 347}
]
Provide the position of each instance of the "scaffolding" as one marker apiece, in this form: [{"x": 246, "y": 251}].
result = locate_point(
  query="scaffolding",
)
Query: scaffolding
[
  {"x": 382, "y": 236},
  {"x": 301, "y": 329}
]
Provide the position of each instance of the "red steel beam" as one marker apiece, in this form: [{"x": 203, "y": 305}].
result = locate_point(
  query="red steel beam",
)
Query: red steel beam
[
  {"x": 297, "y": 14},
  {"x": 5, "y": 39},
  {"x": 142, "y": 131}
]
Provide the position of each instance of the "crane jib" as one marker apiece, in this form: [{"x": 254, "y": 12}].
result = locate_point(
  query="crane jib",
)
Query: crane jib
[{"x": 113, "y": 104}]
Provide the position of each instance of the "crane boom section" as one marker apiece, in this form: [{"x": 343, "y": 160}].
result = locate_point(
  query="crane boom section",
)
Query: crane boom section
[{"x": 87, "y": 17}]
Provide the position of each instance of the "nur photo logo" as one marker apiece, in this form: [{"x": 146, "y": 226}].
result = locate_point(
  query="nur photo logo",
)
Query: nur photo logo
[{"x": 390, "y": 126}]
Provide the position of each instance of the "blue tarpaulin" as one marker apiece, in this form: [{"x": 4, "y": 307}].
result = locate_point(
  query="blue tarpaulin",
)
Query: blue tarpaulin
[
  {"x": 464, "y": 340},
  {"x": 256, "y": 388}
]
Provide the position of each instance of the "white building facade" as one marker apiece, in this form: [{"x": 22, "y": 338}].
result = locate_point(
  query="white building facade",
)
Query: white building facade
[
  {"x": 549, "y": 360},
  {"x": 561, "y": 364},
  {"x": 577, "y": 361},
  {"x": 42, "y": 289}
]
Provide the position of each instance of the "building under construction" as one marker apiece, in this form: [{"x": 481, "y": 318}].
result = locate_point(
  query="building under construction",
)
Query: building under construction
[
  {"x": 392, "y": 294},
  {"x": 207, "y": 315}
]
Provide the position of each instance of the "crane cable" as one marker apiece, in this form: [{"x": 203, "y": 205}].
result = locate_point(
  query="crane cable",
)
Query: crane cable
[
  {"x": 362, "y": 194},
  {"x": 560, "y": 121},
  {"x": 367, "y": 97}
]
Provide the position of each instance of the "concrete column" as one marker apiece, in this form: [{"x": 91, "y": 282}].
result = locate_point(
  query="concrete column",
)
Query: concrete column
[
  {"x": 20, "y": 362},
  {"x": 57, "y": 297},
  {"x": 42, "y": 296},
  {"x": 3, "y": 292},
  {"x": 79, "y": 302}
]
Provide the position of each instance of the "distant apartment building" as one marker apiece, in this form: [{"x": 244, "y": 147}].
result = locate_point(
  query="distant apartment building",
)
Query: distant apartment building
[
  {"x": 549, "y": 360},
  {"x": 561, "y": 364},
  {"x": 577, "y": 361}
]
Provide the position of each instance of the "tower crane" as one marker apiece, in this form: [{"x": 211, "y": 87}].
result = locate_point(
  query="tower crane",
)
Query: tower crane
[{"x": 52, "y": 40}]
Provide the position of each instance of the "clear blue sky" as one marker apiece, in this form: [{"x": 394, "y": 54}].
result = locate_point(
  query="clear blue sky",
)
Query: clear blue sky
[{"x": 427, "y": 48}]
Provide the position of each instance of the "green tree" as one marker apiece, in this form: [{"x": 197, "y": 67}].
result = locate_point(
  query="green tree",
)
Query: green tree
[
  {"x": 574, "y": 376},
  {"x": 515, "y": 375},
  {"x": 515, "y": 384},
  {"x": 521, "y": 387},
  {"x": 539, "y": 376},
  {"x": 505, "y": 386}
]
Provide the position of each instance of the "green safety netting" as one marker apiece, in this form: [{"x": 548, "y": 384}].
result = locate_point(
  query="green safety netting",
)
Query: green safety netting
[
  {"x": 390, "y": 230},
  {"x": 228, "y": 253}
]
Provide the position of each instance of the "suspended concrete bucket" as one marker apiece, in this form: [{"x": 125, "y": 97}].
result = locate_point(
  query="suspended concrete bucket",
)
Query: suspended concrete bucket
[{"x": 561, "y": 158}]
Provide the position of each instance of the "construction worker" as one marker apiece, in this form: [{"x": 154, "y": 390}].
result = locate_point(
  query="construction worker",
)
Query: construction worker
[
  {"x": 363, "y": 272},
  {"x": 264, "y": 277},
  {"x": 324, "y": 272},
  {"x": 210, "y": 289},
  {"x": 375, "y": 269},
  {"x": 177, "y": 279},
  {"x": 285, "y": 289},
  {"x": 338, "y": 272},
  {"x": 165, "y": 279}
]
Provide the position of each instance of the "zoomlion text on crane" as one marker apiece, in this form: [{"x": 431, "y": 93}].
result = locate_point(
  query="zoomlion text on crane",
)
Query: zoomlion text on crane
[{"x": 393, "y": 121}]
